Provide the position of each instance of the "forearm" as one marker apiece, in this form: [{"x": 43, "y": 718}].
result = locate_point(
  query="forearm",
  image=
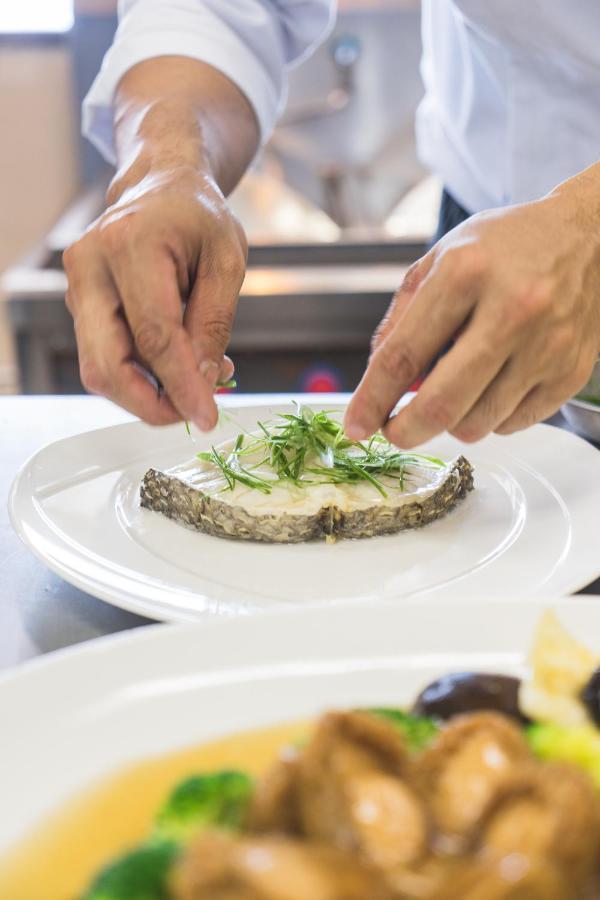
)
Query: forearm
[{"x": 174, "y": 113}]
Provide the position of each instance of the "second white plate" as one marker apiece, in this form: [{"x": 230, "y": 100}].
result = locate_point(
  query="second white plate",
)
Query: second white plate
[
  {"x": 109, "y": 703},
  {"x": 531, "y": 525}
]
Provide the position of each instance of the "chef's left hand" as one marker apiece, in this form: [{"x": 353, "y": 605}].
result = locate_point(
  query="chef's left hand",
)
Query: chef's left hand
[{"x": 518, "y": 291}]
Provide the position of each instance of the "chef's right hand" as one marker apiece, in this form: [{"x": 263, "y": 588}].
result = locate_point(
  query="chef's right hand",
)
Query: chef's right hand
[{"x": 167, "y": 239}]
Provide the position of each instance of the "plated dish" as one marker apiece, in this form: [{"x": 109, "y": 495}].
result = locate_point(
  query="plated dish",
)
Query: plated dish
[
  {"x": 530, "y": 526},
  {"x": 297, "y": 478},
  {"x": 421, "y": 781}
]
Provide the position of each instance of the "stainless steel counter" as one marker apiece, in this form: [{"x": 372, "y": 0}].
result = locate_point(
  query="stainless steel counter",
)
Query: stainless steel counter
[{"x": 40, "y": 612}]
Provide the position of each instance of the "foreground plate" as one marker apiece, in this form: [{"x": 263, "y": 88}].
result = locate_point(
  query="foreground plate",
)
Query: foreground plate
[
  {"x": 73, "y": 717},
  {"x": 531, "y": 525}
]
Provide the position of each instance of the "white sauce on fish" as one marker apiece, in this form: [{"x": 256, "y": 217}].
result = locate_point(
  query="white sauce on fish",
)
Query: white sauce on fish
[{"x": 286, "y": 498}]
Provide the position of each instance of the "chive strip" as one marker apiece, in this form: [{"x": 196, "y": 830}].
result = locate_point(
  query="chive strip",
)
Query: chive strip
[{"x": 293, "y": 443}]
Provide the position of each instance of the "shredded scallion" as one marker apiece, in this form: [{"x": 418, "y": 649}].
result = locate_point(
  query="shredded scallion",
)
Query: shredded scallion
[{"x": 306, "y": 448}]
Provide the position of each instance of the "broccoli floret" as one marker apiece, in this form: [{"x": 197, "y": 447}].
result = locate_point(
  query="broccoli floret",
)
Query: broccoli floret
[
  {"x": 139, "y": 875},
  {"x": 418, "y": 731},
  {"x": 579, "y": 745},
  {"x": 218, "y": 800}
]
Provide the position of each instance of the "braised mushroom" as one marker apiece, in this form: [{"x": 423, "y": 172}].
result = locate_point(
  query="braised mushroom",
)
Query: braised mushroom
[
  {"x": 464, "y": 766},
  {"x": 545, "y": 811},
  {"x": 354, "y": 790},
  {"x": 221, "y": 867},
  {"x": 464, "y": 692},
  {"x": 274, "y": 805},
  {"x": 512, "y": 878}
]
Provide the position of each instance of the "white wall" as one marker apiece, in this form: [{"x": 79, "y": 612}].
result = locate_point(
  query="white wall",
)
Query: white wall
[{"x": 38, "y": 156}]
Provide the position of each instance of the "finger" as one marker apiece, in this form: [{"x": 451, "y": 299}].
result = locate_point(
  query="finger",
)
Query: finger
[
  {"x": 211, "y": 309},
  {"x": 105, "y": 348},
  {"x": 539, "y": 403},
  {"x": 123, "y": 382},
  {"x": 402, "y": 298},
  {"x": 148, "y": 287},
  {"x": 430, "y": 321},
  {"x": 456, "y": 385},
  {"x": 497, "y": 402},
  {"x": 547, "y": 368}
]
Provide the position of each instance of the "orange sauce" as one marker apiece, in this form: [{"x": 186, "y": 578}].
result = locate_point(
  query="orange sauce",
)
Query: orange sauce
[{"x": 60, "y": 858}]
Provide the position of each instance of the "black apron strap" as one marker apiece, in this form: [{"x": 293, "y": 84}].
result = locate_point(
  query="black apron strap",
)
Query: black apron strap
[{"x": 451, "y": 215}]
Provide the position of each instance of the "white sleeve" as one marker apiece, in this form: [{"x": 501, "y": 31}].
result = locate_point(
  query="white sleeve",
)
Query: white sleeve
[{"x": 253, "y": 42}]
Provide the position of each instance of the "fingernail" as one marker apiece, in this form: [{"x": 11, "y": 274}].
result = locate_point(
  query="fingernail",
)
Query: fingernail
[
  {"x": 356, "y": 431},
  {"x": 210, "y": 371},
  {"x": 203, "y": 423},
  {"x": 227, "y": 369}
]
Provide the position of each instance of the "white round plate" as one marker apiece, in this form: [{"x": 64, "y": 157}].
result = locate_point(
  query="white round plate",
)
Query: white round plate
[
  {"x": 70, "y": 719},
  {"x": 531, "y": 525}
]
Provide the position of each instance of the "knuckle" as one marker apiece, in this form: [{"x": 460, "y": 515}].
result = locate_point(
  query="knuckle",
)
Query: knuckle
[
  {"x": 152, "y": 339},
  {"x": 411, "y": 279},
  {"x": 436, "y": 411},
  {"x": 70, "y": 256},
  {"x": 469, "y": 432},
  {"x": 230, "y": 264},
  {"x": 530, "y": 302},
  {"x": 463, "y": 265},
  {"x": 114, "y": 235},
  {"x": 559, "y": 346},
  {"x": 531, "y": 415},
  {"x": 398, "y": 363},
  {"x": 74, "y": 257},
  {"x": 531, "y": 411},
  {"x": 219, "y": 328},
  {"x": 92, "y": 377}
]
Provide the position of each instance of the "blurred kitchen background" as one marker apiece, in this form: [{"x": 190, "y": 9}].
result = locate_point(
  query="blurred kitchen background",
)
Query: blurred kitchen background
[{"x": 336, "y": 209}]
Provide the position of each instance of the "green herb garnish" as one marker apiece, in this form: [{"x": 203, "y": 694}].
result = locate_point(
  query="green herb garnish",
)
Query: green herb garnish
[
  {"x": 307, "y": 448},
  {"x": 232, "y": 468}
]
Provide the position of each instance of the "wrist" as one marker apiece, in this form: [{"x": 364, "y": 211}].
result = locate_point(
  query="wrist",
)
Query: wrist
[{"x": 160, "y": 138}]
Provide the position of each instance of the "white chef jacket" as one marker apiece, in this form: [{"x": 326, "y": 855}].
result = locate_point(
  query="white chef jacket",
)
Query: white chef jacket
[{"x": 512, "y": 103}]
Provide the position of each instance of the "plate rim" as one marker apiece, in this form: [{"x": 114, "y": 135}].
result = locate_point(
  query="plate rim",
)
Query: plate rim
[{"x": 164, "y": 631}]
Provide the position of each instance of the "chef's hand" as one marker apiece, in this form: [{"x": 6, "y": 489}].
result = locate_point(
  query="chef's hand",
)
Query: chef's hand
[
  {"x": 166, "y": 239},
  {"x": 517, "y": 290},
  {"x": 154, "y": 282}
]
